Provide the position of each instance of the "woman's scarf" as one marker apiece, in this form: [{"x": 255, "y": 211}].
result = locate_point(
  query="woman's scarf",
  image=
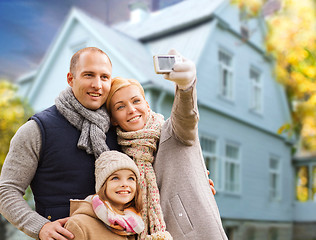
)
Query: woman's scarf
[
  {"x": 141, "y": 146},
  {"x": 93, "y": 124},
  {"x": 128, "y": 223}
]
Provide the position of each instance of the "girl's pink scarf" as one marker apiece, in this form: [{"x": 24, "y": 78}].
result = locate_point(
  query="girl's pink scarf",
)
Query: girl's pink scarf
[{"x": 129, "y": 223}]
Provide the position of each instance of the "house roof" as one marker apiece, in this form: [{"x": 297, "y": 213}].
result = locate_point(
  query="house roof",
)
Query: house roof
[
  {"x": 125, "y": 44},
  {"x": 185, "y": 26},
  {"x": 130, "y": 51},
  {"x": 27, "y": 76},
  {"x": 170, "y": 19}
]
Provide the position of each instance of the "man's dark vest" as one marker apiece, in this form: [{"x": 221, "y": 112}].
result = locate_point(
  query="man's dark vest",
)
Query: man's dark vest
[{"x": 64, "y": 172}]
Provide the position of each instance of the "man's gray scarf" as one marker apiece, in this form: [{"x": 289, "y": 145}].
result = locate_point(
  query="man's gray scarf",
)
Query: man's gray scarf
[{"x": 93, "y": 124}]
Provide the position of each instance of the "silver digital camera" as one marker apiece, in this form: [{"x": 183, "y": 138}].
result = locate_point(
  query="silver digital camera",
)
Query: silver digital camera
[{"x": 164, "y": 63}]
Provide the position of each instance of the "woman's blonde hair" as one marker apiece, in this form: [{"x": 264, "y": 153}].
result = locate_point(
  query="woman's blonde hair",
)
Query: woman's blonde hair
[{"x": 118, "y": 83}]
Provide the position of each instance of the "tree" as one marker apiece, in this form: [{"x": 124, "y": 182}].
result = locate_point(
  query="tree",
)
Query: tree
[
  {"x": 291, "y": 40},
  {"x": 14, "y": 111}
]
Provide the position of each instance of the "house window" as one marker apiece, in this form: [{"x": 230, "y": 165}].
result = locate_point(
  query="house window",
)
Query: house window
[
  {"x": 232, "y": 169},
  {"x": 226, "y": 75},
  {"x": 275, "y": 178},
  {"x": 209, "y": 149},
  {"x": 256, "y": 91},
  {"x": 314, "y": 183},
  {"x": 302, "y": 176}
]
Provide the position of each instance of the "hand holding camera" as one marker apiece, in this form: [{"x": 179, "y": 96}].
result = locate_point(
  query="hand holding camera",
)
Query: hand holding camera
[{"x": 176, "y": 68}]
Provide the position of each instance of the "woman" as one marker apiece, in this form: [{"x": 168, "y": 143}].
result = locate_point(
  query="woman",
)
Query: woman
[{"x": 189, "y": 207}]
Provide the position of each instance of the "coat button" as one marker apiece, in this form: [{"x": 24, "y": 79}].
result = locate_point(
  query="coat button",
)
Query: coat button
[{"x": 49, "y": 217}]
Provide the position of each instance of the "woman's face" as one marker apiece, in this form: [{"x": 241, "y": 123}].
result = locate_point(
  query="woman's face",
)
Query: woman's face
[
  {"x": 129, "y": 109},
  {"x": 121, "y": 188}
]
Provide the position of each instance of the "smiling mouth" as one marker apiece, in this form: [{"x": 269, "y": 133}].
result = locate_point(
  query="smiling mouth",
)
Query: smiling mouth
[
  {"x": 94, "y": 94},
  {"x": 123, "y": 192},
  {"x": 134, "y": 118}
]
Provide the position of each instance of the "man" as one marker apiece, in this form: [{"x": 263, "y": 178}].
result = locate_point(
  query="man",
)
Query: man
[{"x": 55, "y": 151}]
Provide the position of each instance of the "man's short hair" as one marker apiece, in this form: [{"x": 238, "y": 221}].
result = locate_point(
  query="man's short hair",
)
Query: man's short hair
[{"x": 75, "y": 58}]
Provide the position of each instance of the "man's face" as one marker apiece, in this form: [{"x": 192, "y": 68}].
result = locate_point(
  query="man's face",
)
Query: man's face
[{"x": 91, "y": 82}]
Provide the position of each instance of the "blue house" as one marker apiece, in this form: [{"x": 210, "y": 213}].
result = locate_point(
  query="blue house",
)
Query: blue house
[{"x": 241, "y": 105}]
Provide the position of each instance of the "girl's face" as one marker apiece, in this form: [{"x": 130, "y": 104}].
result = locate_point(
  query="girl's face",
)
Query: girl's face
[
  {"x": 129, "y": 109},
  {"x": 121, "y": 188}
]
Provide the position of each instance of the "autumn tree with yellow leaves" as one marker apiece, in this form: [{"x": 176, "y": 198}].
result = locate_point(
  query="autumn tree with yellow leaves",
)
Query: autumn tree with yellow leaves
[
  {"x": 13, "y": 113},
  {"x": 291, "y": 40}
]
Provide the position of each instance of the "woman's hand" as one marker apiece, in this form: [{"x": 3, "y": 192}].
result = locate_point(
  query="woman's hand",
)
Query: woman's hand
[
  {"x": 183, "y": 74},
  {"x": 211, "y": 184}
]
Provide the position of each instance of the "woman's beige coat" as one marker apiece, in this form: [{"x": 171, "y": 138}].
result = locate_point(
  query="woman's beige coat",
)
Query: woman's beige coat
[
  {"x": 85, "y": 225},
  {"x": 188, "y": 205}
]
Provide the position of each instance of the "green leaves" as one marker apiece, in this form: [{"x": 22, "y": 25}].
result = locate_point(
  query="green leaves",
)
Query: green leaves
[{"x": 14, "y": 111}]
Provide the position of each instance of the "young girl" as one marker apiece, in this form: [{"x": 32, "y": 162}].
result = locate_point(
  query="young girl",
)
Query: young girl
[
  {"x": 189, "y": 207},
  {"x": 113, "y": 213}
]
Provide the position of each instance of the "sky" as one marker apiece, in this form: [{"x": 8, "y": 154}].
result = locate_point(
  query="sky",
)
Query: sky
[{"x": 28, "y": 28}]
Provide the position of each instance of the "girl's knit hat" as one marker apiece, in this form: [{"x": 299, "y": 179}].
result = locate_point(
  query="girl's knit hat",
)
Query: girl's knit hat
[
  {"x": 110, "y": 162},
  {"x": 118, "y": 83}
]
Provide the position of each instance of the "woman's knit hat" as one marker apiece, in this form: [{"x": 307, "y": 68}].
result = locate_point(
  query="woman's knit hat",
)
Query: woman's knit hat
[
  {"x": 110, "y": 162},
  {"x": 118, "y": 83}
]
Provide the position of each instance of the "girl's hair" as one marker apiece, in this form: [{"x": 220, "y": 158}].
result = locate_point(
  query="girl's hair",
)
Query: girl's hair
[
  {"x": 118, "y": 83},
  {"x": 137, "y": 201}
]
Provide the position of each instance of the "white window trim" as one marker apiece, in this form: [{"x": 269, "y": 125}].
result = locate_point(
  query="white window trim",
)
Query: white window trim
[
  {"x": 216, "y": 174},
  {"x": 237, "y": 162},
  {"x": 278, "y": 172},
  {"x": 258, "y": 85},
  {"x": 230, "y": 70}
]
